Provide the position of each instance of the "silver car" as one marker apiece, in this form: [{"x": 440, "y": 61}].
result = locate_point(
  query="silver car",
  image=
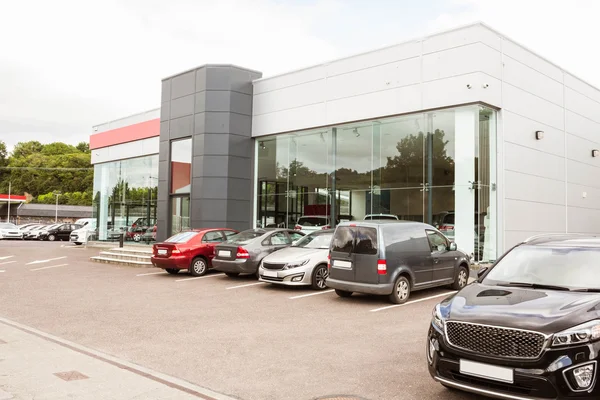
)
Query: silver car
[
  {"x": 302, "y": 264},
  {"x": 10, "y": 231}
]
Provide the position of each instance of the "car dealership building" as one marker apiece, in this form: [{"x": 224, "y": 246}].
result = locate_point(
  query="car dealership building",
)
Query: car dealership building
[{"x": 466, "y": 130}]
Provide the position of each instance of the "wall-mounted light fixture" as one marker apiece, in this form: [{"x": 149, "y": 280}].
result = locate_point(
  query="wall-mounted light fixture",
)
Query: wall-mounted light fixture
[
  {"x": 262, "y": 145},
  {"x": 539, "y": 135},
  {"x": 595, "y": 153}
]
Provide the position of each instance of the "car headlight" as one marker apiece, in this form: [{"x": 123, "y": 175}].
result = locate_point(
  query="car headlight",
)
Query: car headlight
[
  {"x": 436, "y": 318},
  {"x": 296, "y": 264},
  {"x": 584, "y": 333}
]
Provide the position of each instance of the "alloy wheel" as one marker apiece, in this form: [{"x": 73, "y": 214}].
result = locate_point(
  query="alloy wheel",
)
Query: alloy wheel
[
  {"x": 462, "y": 278},
  {"x": 402, "y": 290},
  {"x": 321, "y": 277},
  {"x": 199, "y": 267}
]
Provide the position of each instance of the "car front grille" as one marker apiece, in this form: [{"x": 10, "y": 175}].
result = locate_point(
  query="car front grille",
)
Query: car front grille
[
  {"x": 495, "y": 341},
  {"x": 273, "y": 266},
  {"x": 271, "y": 278}
]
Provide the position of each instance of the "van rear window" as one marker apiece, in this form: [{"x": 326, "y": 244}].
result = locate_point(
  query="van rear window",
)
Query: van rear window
[
  {"x": 366, "y": 241},
  {"x": 343, "y": 240}
]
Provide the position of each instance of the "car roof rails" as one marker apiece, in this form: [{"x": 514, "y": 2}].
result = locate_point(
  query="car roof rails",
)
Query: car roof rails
[{"x": 549, "y": 235}]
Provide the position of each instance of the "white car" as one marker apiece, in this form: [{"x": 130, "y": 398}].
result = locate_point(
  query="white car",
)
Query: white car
[
  {"x": 10, "y": 231},
  {"x": 81, "y": 235},
  {"x": 35, "y": 233},
  {"x": 311, "y": 223},
  {"x": 370, "y": 217},
  {"x": 302, "y": 264}
]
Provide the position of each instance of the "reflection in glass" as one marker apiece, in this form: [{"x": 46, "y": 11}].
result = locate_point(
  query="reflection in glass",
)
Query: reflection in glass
[
  {"x": 125, "y": 194},
  {"x": 180, "y": 214},
  {"x": 181, "y": 166}
]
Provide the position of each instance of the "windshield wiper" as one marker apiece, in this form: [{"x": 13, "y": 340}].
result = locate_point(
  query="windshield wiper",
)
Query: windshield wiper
[{"x": 533, "y": 285}]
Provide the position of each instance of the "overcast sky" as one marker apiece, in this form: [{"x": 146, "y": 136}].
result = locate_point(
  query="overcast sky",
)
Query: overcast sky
[{"x": 66, "y": 65}]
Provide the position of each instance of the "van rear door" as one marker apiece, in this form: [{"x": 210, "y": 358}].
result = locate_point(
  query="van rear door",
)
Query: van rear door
[
  {"x": 366, "y": 251},
  {"x": 342, "y": 254}
]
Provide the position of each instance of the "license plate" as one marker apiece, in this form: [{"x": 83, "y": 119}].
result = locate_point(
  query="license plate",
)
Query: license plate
[
  {"x": 162, "y": 251},
  {"x": 272, "y": 274},
  {"x": 342, "y": 264},
  {"x": 487, "y": 371},
  {"x": 224, "y": 253}
]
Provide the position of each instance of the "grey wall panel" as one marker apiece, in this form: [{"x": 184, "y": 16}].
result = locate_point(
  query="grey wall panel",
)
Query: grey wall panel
[
  {"x": 240, "y": 145},
  {"x": 165, "y": 111},
  {"x": 239, "y": 167},
  {"x": 200, "y": 105},
  {"x": 218, "y": 78},
  {"x": 163, "y": 170},
  {"x": 215, "y": 144},
  {"x": 238, "y": 210},
  {"x": 165, "y": 92},
  {"x": 183, "y": 85},
  {"x": 216, "y": 166},
  {"x": 181, "y": 127},
  {"x": 240, "y": 124},
  {"x": 241, "y": 103},
  {"x": 238, "y": 189},
  {"x": 211, "y": 210},
  {"x": 163, "y": 190},
  {"x": 241, "y": 80},
  {"x": 163, "y": 151},
  {"x": 199, "y": 123},
  {"x": 182, "y": 106},
  {"x": 201, "y": 79},
  {"x": 164, "y": 130},
  {"x": 213, "y": 188},
  {"x": 217, "y": 122},
  {"x": 218, "y": 100}
]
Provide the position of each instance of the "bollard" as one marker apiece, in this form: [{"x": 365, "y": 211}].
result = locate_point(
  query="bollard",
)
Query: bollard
[{"x": 121, "y": 238}]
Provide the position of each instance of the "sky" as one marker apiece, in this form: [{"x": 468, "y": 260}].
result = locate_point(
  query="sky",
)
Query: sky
[{"x": 66, "y": 65}]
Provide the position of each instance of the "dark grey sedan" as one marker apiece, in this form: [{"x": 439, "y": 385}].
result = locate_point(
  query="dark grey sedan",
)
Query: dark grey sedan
[{"x": 242, "y": 253}]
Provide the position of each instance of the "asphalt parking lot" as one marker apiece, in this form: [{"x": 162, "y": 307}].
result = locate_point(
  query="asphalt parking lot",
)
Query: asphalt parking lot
[{"x": 237, "y": 336}]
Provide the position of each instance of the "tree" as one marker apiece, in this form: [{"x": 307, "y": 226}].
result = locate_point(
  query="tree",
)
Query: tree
[
  {"x": 24, "y": 149},
  {"x": 3, "y": 154},
  {"x": 83, "y": 147}
]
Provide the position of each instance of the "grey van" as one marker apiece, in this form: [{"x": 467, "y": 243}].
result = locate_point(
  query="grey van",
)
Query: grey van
[{"x": 393, "y": 258}]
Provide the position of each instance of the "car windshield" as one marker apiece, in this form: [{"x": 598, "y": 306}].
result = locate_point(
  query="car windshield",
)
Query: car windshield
[
  {"x": 8, "y": 226},
  {"x": 182, "y": 237},
  {"x": 562, "y": 266},
  {"x": 312, "y": 221},
  {"x": 315, "y": 241},
  {"x": 245, "y": 237}
]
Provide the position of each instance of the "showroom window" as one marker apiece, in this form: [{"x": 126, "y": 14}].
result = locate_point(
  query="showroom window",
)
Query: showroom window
[
  {"x": 180, "y": 184},
  {"x": 125, "y": 197},
  {"x": 436, "y": 167}
]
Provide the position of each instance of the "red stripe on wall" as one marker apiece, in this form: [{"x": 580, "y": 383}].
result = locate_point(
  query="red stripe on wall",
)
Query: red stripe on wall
[
  {"x": 13, "y": 197},
  {"x": 142, "y": 130}
]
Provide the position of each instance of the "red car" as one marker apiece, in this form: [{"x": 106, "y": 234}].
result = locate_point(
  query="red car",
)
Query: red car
[{"x": 191, "y": 250}]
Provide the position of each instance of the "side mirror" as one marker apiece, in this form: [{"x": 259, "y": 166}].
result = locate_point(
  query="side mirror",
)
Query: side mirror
[
  {"x": 481, "y": 272},
  {"x": 452, "y": 246}
]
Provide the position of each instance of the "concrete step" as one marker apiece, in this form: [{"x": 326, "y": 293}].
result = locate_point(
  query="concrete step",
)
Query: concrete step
[
  {"x": 131, "y": 251},
  {"x": 116, "y": 261},
  {"x": 126, "y": 256}
]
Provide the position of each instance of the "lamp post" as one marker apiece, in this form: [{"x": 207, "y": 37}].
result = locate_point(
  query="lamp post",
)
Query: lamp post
[
  {"x": 8, "y": 216},
  {"x": 57, "y": 193}
]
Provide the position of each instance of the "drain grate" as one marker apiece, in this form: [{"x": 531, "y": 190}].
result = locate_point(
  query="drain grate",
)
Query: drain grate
[{"x": 71, "y": 375}]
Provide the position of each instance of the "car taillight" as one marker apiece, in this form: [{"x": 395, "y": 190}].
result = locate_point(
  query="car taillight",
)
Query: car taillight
[
  {"x": 381, "y": 267},
  {"x": 326, "y": 227},
  {"x": 242, "y": 253},
  {"x": 298, "y": 228},
  {"x": 175, "y": 251},
  {"x": 328, "y": 261},
  {"x": 446, "y": 228}
]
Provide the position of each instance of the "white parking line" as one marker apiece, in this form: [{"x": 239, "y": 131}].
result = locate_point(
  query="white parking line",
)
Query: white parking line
[
  {"x": 45, "y": 261},
  {"x": 7, "y": 262},
  {"x": 311, "y": 294},
  {"x": 5, "y": 257},
  {"x": 198, "y": 277},
  {"x": 249, "y": 284},
  {"x": 1, "y": 270},
  {"x": 153, "y": 273},
  {"x": 414, "y": 301},
  {"x": 52, "y": 266}
]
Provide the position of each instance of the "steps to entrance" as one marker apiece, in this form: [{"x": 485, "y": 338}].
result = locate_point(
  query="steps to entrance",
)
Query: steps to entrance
[{"x": 133, "y": 257}]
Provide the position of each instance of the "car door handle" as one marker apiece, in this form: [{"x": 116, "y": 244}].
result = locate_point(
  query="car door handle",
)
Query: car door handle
[{"x": 436, "y": 260}]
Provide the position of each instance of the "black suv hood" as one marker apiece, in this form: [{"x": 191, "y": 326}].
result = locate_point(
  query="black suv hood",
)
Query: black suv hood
[{"x": 546, "y": 311}]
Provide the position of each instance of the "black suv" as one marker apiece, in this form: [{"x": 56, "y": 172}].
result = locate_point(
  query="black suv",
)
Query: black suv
[
  {"x": 528, "y": 328},
  {"x": 393, "y": 258}
]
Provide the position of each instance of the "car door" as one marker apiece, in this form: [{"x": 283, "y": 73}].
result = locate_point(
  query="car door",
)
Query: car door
[
  {"x": 341, "y": 263},
  {"x": 366, "y": 250},
  {"x": 63, "y": 232},
  {"x": 209, "y": 241},
  {"x": 443, "y": 259}
]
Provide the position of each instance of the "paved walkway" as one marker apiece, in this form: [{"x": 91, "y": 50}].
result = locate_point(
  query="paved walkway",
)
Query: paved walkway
[{"x": 35, "y": 365}]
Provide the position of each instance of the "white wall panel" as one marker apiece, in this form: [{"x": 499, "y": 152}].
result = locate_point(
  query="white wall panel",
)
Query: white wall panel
[
  {"x": 521, "y": 130},
  {"x": 583, "y": 196},
  {"x": 122, "y": 151},
  {"x": 532, "y": 81},
  {"x": 452, "y": 91},
  {"x": 582, "y": 87},
  {"x": 582, "y": 126},
  {"x": 379, "y": 78},
  {"x": 461, "y": 37},
  {"x": 476, "y": 57},
  {"x": 289, "y": 79},
  {"x": 521, "y": 186},
  {"x": 534, "y": 217},
  {"x": 532, "y": 60},
  {"x": 524, "y": 103},
  {"x": 290, "y": 120},
  {"x": 580, "y": 149},
  {"x": 290, "y": 97},
  {"x": 582, "y": 105},
  {"x": 583, "y": 220},
  {"x": 529, "y": 161},
  {"x": 583, "y": 174}
]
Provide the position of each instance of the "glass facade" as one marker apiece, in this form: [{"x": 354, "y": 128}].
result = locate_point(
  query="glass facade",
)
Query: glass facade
[
  {"x": 436, "y": 167},
  {"x": 125, "y": 196},
  {"x": 181, "y": 172}
]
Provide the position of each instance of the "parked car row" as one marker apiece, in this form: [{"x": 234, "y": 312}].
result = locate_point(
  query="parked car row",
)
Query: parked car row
[{"x": 37, "y": 231}]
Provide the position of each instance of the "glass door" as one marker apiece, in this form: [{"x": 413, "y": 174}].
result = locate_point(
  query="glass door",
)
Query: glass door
[{"x": 180, "y": 214}]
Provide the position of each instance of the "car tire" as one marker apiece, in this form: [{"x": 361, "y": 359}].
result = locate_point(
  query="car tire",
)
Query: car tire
[
  {"x": 51, "y": 238},
  {"x": 232, "y": 274},
  {"x": 343, "y": 293},
  {"x": 137, "y": 237},
  {"x": 78, "y": 243},
  {"x": 198, "y": 267},
  {"x": 172, "y": 271},
  {"x": 401, "y": 291},
  {"x": 319, "y": 277},
  {"x": 461, "y": 279}
]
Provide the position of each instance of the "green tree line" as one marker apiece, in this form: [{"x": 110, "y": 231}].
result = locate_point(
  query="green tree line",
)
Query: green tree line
[{"x": 43, "y": 169}]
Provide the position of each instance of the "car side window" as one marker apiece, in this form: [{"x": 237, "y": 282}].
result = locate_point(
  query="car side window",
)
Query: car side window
[
  {"x": 295, "y": 236},
  {"x": 229, "y": 234},
  {"x": 437, "y": 241},
  {"x": 279, "y": 238},
  {"x": 212, "y": 237}
]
